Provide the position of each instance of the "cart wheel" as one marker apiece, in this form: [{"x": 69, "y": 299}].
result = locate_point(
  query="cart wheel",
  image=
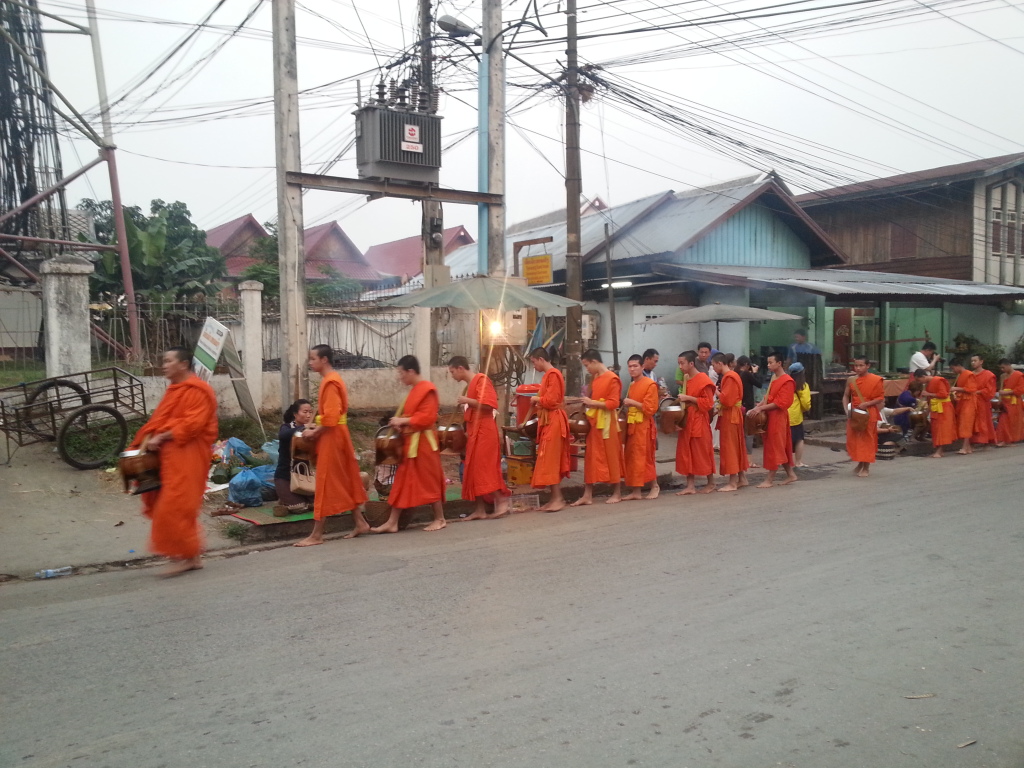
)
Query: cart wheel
[
  {"x": 50, "y": 399},
  {"x": 92, "y": 436}
]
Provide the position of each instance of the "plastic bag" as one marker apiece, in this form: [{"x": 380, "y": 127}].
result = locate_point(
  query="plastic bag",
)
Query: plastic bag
[
  {"x": 273, "y": 449},
  {"x": 247, "y": 486}
]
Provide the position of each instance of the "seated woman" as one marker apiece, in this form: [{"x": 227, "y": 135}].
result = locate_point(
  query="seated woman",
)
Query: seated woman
[{"x": 298, "y": 415}]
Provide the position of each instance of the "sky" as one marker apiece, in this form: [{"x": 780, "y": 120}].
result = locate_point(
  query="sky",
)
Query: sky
[{"x": 875, "y": 88}]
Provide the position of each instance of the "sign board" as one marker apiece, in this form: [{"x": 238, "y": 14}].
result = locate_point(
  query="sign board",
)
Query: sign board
[
  {"x": 408, "y": 146},
  {"x": 537, "y": 269},
  {"x": 412, "y": 133},
  {"x": 215, "y": 340}
]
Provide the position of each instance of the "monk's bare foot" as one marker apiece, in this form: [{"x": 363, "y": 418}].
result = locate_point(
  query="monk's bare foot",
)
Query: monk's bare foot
[
  {"x": 583, "y": 501},
  {"x": 477, "y": 515},
  {"x": 862, "y": 473},
  {"x": 1000, "y": 445},
  {"x": 181, "y": 566},
  {"x": 728, "y": 487},
  {"x": 790, "y": 480},
  {"x": 498, "y": 513},
  {"x": 359, "y": 530},
  {"x": 615, "y": 499},
  {"x": 801, "y": 464},
  {"x": 686, "y": 492},
  {"x": 962, "y": 452},
  {"x": 634, "y": 496},
  {"x": 935, "y": 456},
  {"x": 654, "y": 493},
  {"x": 765, "y": 484},
  {"x": 752, "y": 465},
  {"x": 387, "y": 527},
  {"x": 709, "y": 488},
  {"x": 743, "y": 482},
  {"x": 555, "y": 507},
  {"x": 437, "y": 525},
  {"x": 309, "y": 541}
]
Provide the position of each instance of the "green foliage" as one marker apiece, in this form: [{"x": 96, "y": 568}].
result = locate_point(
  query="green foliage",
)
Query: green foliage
[
  {"x": 336, "y": 289},
  {"x": 1016, "y": 354},
  {"x": 165, "y": 266},
  {"x": 965, "y": 346},
  {"x": 102, "y": 212}
]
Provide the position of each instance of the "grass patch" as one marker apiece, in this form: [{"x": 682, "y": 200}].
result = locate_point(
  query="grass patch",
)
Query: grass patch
[
  {"x": 246, "y": 430},
  {"x": 232, "y": 529},
  {"x": 18, "y": 373}
]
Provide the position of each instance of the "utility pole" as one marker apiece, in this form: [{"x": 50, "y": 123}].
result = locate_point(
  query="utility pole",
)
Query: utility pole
[
  {"x": 434, "y": 270},
  {"x": 495, "y": 136},
  {"x": 573, "y": 190},
  {"x": 107, "y": 152},
  {"x": 290, "y": 252}
]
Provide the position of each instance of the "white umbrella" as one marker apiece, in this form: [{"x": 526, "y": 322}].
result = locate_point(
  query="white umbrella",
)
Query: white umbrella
[{"x": 719, "y": 313}]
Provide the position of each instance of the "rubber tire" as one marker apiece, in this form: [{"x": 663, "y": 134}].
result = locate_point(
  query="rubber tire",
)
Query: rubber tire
[
  {"x": 96, "y": 464},
  {"x": 48, "y": 385}
]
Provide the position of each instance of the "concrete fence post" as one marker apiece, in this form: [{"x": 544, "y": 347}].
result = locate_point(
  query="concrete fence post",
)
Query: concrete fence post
[
  {"x": 251, "y": 292},
  {"x": 66, "y": 323}
]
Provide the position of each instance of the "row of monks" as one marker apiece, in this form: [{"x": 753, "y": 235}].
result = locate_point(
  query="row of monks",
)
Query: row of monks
[{"x": 184, "y": 426}]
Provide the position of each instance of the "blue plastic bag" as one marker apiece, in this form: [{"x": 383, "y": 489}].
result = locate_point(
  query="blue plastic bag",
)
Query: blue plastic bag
[
  {"x": 239, "y": 448},
  {"x": 272, "y": 449},
  {"x": 246, "y": 488}
]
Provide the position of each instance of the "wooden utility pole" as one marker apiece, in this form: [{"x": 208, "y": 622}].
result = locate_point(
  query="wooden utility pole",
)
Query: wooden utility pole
[
  {"x": 290, "y": 252},
  {"x": 573, "y": 191}
]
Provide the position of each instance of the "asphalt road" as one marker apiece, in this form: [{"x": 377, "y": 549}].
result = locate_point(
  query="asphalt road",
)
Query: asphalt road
[{"x": 784, "y": 627}]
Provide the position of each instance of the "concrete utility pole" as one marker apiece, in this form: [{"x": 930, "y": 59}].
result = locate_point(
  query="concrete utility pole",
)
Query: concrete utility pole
[
  {"x": 107, "y": 152},
  {"x": 573, "y": 190},
  {"x": 495, "y": 135},
  {"x": 290, "y": 252},
  {"x": 434, "y": 270}
]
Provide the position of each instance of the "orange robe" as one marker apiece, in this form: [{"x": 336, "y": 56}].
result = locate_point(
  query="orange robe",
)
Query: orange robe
[
  {"x": 984, "y": 429},
  {"x": 338, "y": 485},
  {"x": 481, "y": 475},
  {"x": 604, "y": 460},
  {"x": 552, "y": 432},
  {"x": 943, "y": 416},
  {"x": 695, "y": 450},
  {"x": 966, "y": 404},
  {"x": 862, "y": 446},
  {"x": 641, "y": 433},
  {"x": 188, "y": 411},
  {"x": 778, "y": 440},
  {"x": 1011, "y": 419},
  {"x": 419, "y": 478},
  {"x": 732, "y": 446}
]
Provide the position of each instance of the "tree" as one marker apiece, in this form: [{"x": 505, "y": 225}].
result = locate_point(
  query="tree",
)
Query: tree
[
  {"x": 179, "y": 220},
  {"x": 102, "y": 212},
  {"x": 162, "y": 271}
]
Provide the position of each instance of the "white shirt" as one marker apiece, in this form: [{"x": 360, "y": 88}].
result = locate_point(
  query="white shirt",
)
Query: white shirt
[{"x": 918, "y": 362}]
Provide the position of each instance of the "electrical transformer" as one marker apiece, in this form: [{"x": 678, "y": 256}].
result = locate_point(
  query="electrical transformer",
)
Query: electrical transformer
[{"x": 398, "y": 145}]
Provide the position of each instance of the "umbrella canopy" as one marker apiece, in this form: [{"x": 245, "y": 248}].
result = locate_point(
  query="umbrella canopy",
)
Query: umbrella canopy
[
  {"x": 719, "y": 313},
  {"x": 482, "y": 293}
]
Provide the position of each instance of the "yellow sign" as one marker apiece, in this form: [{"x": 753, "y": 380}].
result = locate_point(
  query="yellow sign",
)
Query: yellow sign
[{"x": 537, "y": 269}]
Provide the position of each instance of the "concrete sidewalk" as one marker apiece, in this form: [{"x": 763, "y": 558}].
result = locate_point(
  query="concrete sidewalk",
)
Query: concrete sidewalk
[{"x": 53, "y": 515}]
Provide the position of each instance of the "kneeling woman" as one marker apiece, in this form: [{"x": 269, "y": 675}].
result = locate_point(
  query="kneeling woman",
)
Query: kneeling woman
[{"x": 296, "y": 418}]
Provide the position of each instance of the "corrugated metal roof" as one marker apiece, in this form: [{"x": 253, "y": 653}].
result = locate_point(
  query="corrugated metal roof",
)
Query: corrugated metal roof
[{"x": 850, "y": 282}]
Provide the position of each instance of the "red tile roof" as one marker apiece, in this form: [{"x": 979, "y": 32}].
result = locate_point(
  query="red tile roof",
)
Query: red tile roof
[
  {"x": 219, "y": 235},
  {"x": 404, "y": 257},
  {"x": 946, "y": 174}
]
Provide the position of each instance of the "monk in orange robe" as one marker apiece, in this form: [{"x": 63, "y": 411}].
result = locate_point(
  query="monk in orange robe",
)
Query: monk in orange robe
[
  {"x": 965, "y": 393},
  {"x": 732, "y": 447},
  {"x": 482, "y": 481},
  {"x": 942, "y": 415},
  {"x": 641, "y": 432},
  {"x": 552, "y": 462},
  {"x": 339, "y": 487},
  {"x": 984, "y": 429},
  {"x": 419, "y": 479},
  {"x": 695, "y": 449},
  {"x": 865, "y": 391},
  {"x": 1011, "y": 395},
  {"x": 778, "y": 440},
  {"x": 604, "y": 460},
  {"x": 182, "y": 430}
]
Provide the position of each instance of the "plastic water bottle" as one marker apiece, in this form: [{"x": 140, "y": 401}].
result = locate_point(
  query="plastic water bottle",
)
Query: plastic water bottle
[{"x": 50, "y": 573}]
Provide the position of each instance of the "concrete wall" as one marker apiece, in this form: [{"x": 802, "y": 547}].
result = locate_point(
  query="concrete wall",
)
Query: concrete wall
[{"x": 377, "y": 388}]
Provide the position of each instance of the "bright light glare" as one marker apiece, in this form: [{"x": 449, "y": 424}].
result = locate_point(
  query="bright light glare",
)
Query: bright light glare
[
  {"x": 496, "y": 328},
  {"x": 619, "y": 284}
]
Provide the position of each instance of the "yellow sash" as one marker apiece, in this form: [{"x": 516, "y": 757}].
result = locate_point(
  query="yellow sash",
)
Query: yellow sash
[
  {"x": 936, "y": 404},
  {"x": 342, "y": 420},
  {"x": 634, "y": 415},
  {"x": 602, "y": 420},
  {"x": 414, "y": 441}
]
